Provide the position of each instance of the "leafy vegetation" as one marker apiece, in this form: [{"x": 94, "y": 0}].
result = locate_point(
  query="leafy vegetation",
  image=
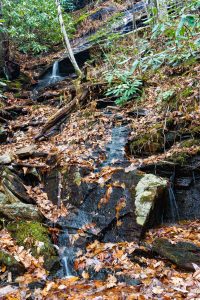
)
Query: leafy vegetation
[
  {"x": 33, "y": 25},
  {"x": 177, "y": 37},
  {"x": 126, "y": 89}
]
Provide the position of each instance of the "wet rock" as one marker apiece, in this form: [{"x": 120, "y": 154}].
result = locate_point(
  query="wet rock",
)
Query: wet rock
[
  {"x": 183, "y": 254},
  {"x": 184, "y": 191},
  {"x": 37, "y": 285},
  {"x": 3, "y": 135},
  {"x": 12, "y": 70},
  {"x": 128, "y": 280},
  {"x": 102, "y": 13},
  {"x": 110, "y": 219},
  {"x": 137, "y": 113},
  {"x": 11, "y": 263},
  {"x": 5, "y": 159},
  {"x": 183, "y": 182},
  {"x": 35, "y": 236},
  {"x": 105, "y": 272}
]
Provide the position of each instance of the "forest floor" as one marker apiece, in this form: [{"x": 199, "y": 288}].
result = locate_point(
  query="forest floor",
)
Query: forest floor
[{"x": 87, "y": 130}]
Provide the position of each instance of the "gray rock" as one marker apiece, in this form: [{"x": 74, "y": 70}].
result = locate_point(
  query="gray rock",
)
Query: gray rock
[
  {"x": 115, "y": 218},
  {"x": 14, "y": 183},
  {"x": 5, "y": 159},
  {"x": 147, "y": 189},
  {"x": 26, "y": 151},
  {"x": 13, "y": 209}
]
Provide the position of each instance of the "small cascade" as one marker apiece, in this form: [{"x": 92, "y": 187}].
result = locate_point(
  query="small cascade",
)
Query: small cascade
[
  {"x": 66, "y": 252},
  {"x": 55, "y": 73},
  {"x": 115, "y": 150},
  {"x": 66, "y": 269},
  {"x": 173, "y": 206}
]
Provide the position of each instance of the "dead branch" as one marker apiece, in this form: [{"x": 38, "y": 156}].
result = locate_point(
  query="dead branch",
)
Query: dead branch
[{"x": 62, "y": 114}]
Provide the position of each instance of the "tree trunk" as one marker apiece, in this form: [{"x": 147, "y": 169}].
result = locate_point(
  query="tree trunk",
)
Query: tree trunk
[
  {"x": 66, "y": 41},
  {"x": 2, "y": 40}
]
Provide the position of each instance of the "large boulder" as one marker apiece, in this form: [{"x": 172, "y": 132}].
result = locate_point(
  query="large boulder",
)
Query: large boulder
[
  {"x": 183, "y": 254},
  {"x": 113, "y": 211},
  {"x": 147, "y": 190}
]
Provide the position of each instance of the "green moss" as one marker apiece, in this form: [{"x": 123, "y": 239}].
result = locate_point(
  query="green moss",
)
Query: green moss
[
  {"x": 190, "y": 61},
  {"x": 77, "y": 178},
  {"x": 195, "y": 130},
  {"x": 151, "y": 142},
  {"x": 179, "y": 158},
  {"x": 81, "y": 18},
  {"x": 187, "y": 92},
  {"x": 190, "y": 143},
  {"x": 28, "y": 233},
  {"x": 34, "y": 236},
  {"x": 11, "y": 263}
]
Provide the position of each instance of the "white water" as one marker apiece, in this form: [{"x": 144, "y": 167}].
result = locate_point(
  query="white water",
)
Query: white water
[
  {"x": 66, "y": 269},
  {"x": 66, "y": 254},
  {"x": 55, "y": 70},
  {"x": 173, "y": 206}
]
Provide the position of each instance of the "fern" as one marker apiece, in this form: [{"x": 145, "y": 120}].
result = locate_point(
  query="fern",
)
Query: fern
[{"x": 125, "y": 91}]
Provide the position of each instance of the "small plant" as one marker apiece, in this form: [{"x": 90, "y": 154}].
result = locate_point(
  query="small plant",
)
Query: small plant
[
  {"x": 124, "y": 87},
  {"x": 166, "y": 96}
]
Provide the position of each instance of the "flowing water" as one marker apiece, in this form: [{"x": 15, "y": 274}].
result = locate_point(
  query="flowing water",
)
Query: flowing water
[
  {"x": 48, "y": 79},
  {"x": 173, "y": 206},
  {"x": 115, "y": 150},
  {"x": 55, "y": 73},
  {"x": 66, "y": 252}
]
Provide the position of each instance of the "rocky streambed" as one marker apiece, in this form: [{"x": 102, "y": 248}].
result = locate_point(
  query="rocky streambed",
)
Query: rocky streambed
[{"x": 112, "y": 202}]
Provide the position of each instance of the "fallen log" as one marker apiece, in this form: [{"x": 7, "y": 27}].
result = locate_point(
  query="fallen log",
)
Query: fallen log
[{"x": 62, "y": 114}]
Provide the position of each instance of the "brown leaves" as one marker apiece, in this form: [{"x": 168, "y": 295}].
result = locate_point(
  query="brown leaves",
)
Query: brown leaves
[
  {"x": 34, "y": 266},
  {"x": 47, "y": 208},
  {"x": 105, "y": 199}
]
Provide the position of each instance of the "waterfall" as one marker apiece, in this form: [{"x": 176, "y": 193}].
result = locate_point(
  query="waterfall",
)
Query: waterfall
[
  {"x": 66, "y": 252},
  {"x": 172, "y": 201},
  {"x": 66, "y": 269},
  {"x": 55, "y": 70}
]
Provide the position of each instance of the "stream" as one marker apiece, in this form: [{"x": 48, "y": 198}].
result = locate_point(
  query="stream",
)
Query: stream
[{"x": 87, "y": 208}]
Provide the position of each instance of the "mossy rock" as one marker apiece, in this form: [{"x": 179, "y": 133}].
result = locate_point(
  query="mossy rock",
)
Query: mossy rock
[
  {"x": 179, "y": 158},
  {"x": 191, "y": 142},
  {"x": 183, "y": 254},
  {"x": 35, "y": 236},
  {"x": 19, "y": 83},
  {"x": 146, "y": 144},
  {"x": 11, "y": 263}
]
